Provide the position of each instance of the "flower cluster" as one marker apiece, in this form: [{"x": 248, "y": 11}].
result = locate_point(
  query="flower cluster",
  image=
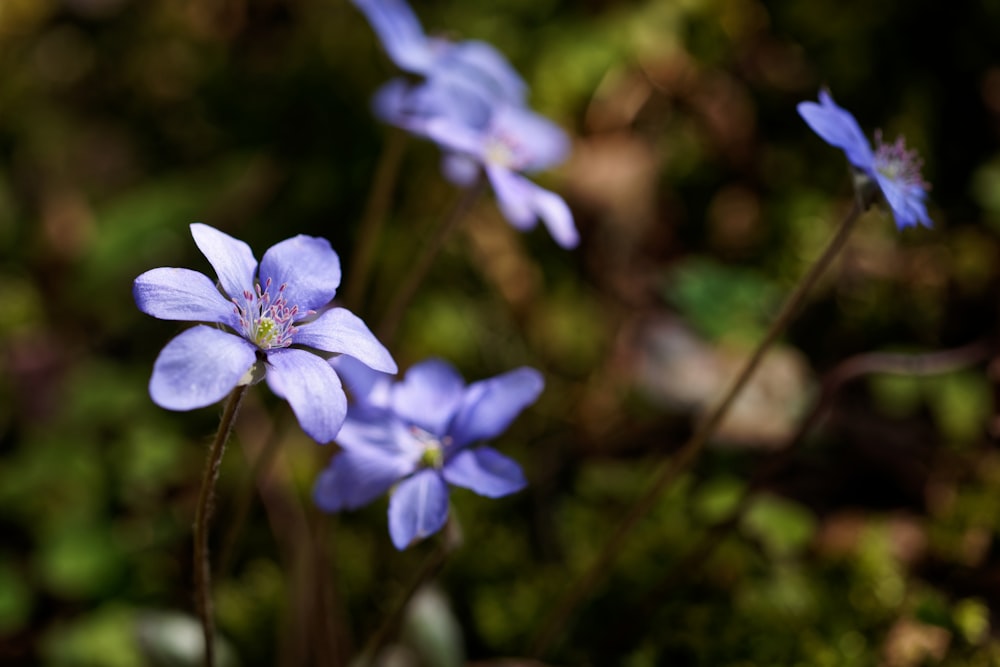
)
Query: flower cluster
[
  {"x": 894, "y": 170},
  {"x": 471, "y": 102},
  {"x": 266, "y": 324},
  {"x": 417, "y": 435}
]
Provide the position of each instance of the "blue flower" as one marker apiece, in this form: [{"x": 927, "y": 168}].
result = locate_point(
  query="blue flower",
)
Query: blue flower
[
  {"x": 417, "y": 435},
  {"x": 894, "y": 169},
  {"x": 471, "y": 103},
  {"x": 266, "y": 323},
  {"x": 471, "y": 64}
]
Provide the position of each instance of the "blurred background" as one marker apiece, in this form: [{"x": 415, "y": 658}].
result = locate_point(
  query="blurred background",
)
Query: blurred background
[{"x": 701, "y": 197}]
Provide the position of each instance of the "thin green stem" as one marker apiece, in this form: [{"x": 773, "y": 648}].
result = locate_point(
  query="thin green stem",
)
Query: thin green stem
[
  {"x": 408, "y": 285},
  {"x": 202, "y": 517},
  {"x": 386, "y": 174},
  {"x": 685, "y": 457}
]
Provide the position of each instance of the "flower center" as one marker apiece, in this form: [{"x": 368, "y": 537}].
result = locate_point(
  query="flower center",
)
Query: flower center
[
  {"x": 898, "y": 164},
  {"x": 434, "y": 448},
  {"x": 504, "y": 150},
  {"x": 266, "y": 321}
]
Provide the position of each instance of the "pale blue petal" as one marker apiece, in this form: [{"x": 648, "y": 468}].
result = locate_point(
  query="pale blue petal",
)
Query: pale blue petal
[
  {"x": 312, "y": 389},
  {"x": 340, "y": 330},
  {"x": 429, "y": 396},
  {"x": 367, "y": 386},
  {"x": 838, "y": 128},
  {"x": 481, "y": 66},
  {"x": 307, "y": 266},
  {"x": 906, "y": 202},
  {"x": 182, "y": 294},
  {"x": 514, "y": 196},
  {"x": 489, "y": 406},
  {"x": 199, "y": 367},
  {"x": 460, "y": 170},
  {"x": 355, "y": 478},
  {"x": 231, "y": 258},
  {"x": 418, "y": 508},
  {"x": 400, "y": 32},
  {"x": 485, "y": 471}
]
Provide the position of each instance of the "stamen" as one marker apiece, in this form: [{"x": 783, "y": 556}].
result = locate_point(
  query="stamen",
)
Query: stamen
[
  {"x": 897, "y": 163},
  {"x": 266, "y": 322}
]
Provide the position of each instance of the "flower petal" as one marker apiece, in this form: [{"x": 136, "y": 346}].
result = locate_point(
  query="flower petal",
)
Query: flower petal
[
  {"x": 199, "y": 367},
  {"x": 485, "y": 471},
  {"x": 491, "y": 405},
  {"x": 368, "y": 387},
  {"x": 182, "y": 294},
  {"x": 311, "y": 387},
  {"x": 307, "y": 266},
  {"x": 554, "y": 212},
  {"x": 400, "y": 32},
  {"x": 514, "y": 196},
  {"x": 460, "y": 170},
  {"x": 429, "y": 396},
  {"x": 355, "y": 478},
  {"x": 838, "y": 127},
  {"x": 906, "y": 202},
  {"x": 480, "y": 66},
  {"x": 231, "y": 258},
  {"x": 418, "y": 508},
  {"x": 340, "y": 330}
]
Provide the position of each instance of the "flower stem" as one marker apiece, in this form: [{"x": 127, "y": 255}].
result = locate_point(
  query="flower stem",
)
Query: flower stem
[
  {"x": 373, "y": 221},
  {"x": 408, "y": 286},
  {"x": 202, "y": 516},
  {"x": 688, "y": 453},
  {"x": 449, "y": 541}
]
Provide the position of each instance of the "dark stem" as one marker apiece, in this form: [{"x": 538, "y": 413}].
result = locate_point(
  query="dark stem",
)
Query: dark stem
[
  {"x": 668, "y": 471},
  {"x": 202, "y": 516},
  {"x": 449, "y": 541},
  {"x": 912, "y": 365},
  {"x": 408, "y": 285},
  {"x": 373, "y": 221}
]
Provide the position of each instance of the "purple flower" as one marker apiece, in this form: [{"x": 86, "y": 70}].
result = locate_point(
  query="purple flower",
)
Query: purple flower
[
  {"x": 266, "y": 323},
  {"x": 471, "y": 64},
  {"x": 471, "y": 102},
  {"x": 416, "y": 435},
  {"x": 515, "y": 140},
  {"x": 894, "y": 169}
]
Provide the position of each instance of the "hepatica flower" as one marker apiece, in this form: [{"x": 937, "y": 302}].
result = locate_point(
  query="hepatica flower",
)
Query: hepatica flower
[
  {"x": 417, "y": 437},
  {"x": 264, "y": 321},
  {"x": 894, "y": 169},
  {"x": 471, "y": 103}
]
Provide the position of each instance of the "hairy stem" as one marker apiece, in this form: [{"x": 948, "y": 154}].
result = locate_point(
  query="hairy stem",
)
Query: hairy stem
[
  {"x": 202, "y": 517},
  {"x": 685, "y": 457}
]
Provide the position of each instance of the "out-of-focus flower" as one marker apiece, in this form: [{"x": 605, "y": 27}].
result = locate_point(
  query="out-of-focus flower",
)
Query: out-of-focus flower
[
  {"x": 269, "y": 327},
  {"x": 470, "y": 65},
  {"x": 471, "y": 102},
  {"x": 515, "y": 140},
  {"x": 417, "y": 435},
  {"x": 893, "y": 168}
]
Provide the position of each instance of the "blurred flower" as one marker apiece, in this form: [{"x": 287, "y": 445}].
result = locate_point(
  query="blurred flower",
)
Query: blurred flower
[
  {"x": 416, "y": 435},
  {"x": 269, "y": 327},
  {"x": 471, "y": 102},
  {"x": 895, "y": 170},
  {"x": 470, "y": 64}
]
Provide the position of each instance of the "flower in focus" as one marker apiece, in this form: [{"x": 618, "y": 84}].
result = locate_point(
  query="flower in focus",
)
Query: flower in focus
[
  {"x": 268, "y": 324},
  {"x": 471, "y": 103},
  {"x": 893, "y": 168},
  {"x": 417, "y": 435}
]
